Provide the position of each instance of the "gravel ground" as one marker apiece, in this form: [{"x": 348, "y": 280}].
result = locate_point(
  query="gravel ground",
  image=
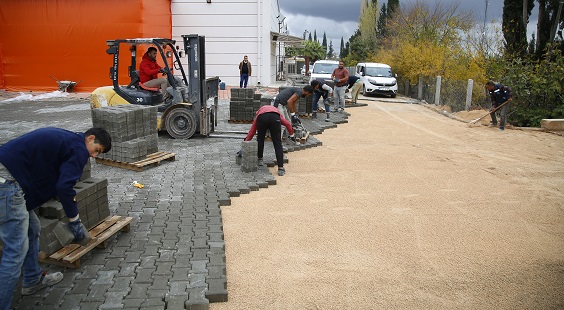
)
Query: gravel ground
[{"x": 404, "y": 208}]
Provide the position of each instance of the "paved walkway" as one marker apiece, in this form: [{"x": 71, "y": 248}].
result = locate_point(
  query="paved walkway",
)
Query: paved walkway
[
  {"x": 175, "y": 252},
  {"x": 404, "y": 208}
]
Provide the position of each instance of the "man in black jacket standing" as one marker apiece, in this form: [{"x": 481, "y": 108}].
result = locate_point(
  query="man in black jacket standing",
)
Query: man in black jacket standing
[
  {"x": 499, "y": 94},
  {"x": 245, "y": 71}
]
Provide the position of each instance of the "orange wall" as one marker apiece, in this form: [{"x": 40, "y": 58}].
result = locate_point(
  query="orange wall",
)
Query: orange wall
[{"x": 66, "y": 39}]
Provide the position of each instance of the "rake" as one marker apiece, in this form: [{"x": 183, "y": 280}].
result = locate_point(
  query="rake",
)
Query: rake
[{"x": 472, "y": 123}]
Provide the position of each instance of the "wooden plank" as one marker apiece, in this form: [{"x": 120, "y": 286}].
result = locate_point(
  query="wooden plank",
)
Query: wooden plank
[
  {"x": 304, "y": 139},
  {"x": 118, "y": 164},
  {"x": 48, "y": 260},
  {"x": 66, "y": 250},
  {"x": 109, "y": 221},
  {"x": 121, "y": 222},
  {"x": 157, "y": 160},
  {"x": 151, "y": 159}
]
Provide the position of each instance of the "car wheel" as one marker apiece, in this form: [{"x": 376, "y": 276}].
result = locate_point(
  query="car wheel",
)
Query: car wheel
[{"x": 393, "y": 95}]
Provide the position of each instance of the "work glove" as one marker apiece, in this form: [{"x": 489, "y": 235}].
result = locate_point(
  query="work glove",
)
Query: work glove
[
  {"x": 336, "y": 81},
  {"x": 295, "y": 119},
  {"x": 293, "y": 138},
  {"x": 81, "y": 235}
]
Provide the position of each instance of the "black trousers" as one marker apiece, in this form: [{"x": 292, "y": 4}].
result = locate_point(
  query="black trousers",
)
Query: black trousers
[{"x": 270, "y": 121}]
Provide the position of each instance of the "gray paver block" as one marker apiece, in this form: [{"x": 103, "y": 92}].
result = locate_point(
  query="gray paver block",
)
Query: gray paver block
[
  {"x": 197, "y": 299},
  {"x": 217, "y": 290}
]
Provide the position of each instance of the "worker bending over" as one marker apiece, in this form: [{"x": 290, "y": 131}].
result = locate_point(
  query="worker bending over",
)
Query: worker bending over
[{"x": 269, "y": 118}]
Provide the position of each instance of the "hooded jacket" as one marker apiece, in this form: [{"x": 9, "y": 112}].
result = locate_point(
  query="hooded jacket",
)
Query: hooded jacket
[{"x": 148, "y": 69}]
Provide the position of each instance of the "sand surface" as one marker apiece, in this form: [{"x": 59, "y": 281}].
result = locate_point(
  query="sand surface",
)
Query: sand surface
[{"x": 403, "y": 208}]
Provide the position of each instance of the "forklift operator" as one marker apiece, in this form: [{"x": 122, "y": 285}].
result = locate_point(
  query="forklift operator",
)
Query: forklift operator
[{"x": 149, "y": 70}]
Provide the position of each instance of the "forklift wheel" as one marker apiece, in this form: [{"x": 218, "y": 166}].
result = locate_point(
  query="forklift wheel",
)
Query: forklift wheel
[{"x": 181, "y": 123}]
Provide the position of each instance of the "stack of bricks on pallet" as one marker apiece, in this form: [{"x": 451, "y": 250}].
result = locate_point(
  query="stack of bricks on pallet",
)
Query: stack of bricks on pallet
[
  {"x": 249, "y": 161},
  {"x": 92, "y": 201},
  {"x": 304, "y": 104},
  {"x": 87, "y": 171},
  {"x": 133, "y": 129},
  {"x": 244, "y": 104}
]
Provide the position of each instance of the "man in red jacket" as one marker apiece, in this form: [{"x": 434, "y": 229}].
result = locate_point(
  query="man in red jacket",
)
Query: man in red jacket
[
  {"x": 149, "y": 70},
  {"x": 269, "y": 118}
]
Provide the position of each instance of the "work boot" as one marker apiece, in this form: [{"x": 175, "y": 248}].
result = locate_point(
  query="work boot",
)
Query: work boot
[
  {"x": 327, "y": 117},
  {"x": 314, "y": 115},
  {"x": 281, "y": 171},
  {"x": 45, "y": 281}
]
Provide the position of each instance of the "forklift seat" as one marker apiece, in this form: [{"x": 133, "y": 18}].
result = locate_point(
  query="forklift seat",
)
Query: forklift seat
[{"x": 135, "y": 82}]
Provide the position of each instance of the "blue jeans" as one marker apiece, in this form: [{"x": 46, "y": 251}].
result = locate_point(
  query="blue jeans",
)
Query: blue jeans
[
  {"x": 19, "y": 230},
  {"x": 339, "y": 97},
  {"x": 245, "y": 79},
  {"x": 316, "y": 97}
]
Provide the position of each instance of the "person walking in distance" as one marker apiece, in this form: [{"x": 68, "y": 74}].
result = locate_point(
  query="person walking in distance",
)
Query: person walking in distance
[
  {"x": 341, "y": 77},
  {"x": 321, "y": 89},
  {"x": 355, "y": 85},
  {"x": 34, "y": 168},
  {"x": 244, "y": 71},
  {"x": 269, "y": 118},
  {"x": 499, "y": 94}
]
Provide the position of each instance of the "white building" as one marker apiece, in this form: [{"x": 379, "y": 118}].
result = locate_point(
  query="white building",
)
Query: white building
[{"x": 233, "y": 29}]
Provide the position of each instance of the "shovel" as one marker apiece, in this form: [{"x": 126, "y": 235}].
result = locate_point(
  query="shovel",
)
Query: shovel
[{"x": 472, "y": 123}]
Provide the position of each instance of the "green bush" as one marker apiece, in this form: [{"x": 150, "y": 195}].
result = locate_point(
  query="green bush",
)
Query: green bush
[{"x": 538, "y": 88}]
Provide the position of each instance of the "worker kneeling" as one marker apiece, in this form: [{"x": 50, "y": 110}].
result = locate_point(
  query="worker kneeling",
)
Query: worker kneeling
[{"x": 269, "y": 118}]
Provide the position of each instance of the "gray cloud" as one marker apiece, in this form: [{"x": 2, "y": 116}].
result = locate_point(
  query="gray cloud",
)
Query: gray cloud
[{"x": 337, "y": 10}]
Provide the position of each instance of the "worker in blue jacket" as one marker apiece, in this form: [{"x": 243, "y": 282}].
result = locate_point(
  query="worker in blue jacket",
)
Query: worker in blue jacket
[
  {"x": 499, "y": 94},
  {"x": 35, "y": 168}
]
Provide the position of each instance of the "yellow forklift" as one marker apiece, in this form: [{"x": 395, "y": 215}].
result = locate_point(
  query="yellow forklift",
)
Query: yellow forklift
[{"x": 194, "y": 98}]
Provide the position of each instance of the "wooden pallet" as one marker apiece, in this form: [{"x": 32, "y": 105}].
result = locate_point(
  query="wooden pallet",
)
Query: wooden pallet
[
  {"x": 69, "y": 256},
  {"x": 151, "y": 160},
  {"x": 240, "y": 121}
]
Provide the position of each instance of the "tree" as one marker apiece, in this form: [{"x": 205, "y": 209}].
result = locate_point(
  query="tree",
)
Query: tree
[
  {"x": 547, "y": 18},
  {"x": 381, "y": 24},
  {"x": 346, "y": 53},
  {"x": 309, "y": 38},
  {"x": 514, "y": 26},
  {"x": 393, "y": 7},
  {"x": 315, "y": 36},
  {"x": 367, "y": 21},
  {"x": 342, "y": 49},
  {"x": 331, "y": 52},
  {"x": 324, "y": 40},
  {"x": 310, "y": 50}
]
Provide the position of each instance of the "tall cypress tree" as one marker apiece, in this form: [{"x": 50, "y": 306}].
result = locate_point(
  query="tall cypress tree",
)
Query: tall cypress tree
[
  {"x": 324, "y": 40},
  {"x": 393, "y": 6},
  {"x": 309, "y": 38},
  {"x": 382, "y": 20},
  {"x": 315, "y": 35},
  {"x": 514, "y": 30},
  {"x": 547, "y": 18},
  {"x": 342, "y": 48},
  {"x": 331, "y": 52}
]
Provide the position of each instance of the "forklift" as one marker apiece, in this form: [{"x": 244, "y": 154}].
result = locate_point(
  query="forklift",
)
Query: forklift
[{"x": 187, "y": 111}]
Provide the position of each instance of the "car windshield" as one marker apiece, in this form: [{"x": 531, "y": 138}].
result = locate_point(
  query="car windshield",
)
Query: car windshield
[
  {"x": 376, "y": 71},
  {"x": 324, "y": 68}
]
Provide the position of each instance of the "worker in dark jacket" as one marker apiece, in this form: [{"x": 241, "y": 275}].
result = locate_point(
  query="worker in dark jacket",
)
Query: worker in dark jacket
[
  {"x": 269, "y": 118},
  {"x": 245, "y": 70},
  {"x": 499, "y": 94},
  {"x": 321, "y": 89},
  {"x": 35, "y": 168}
]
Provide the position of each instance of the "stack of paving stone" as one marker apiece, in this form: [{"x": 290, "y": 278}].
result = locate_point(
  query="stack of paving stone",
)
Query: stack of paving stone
[
  {"x": 304, "y": 104},
  {"x": 92, "y": 203},
  {"x": 244, "y": 104},
  {"x": 249, "y": 160},
  {"x": 133, "y": 129}
]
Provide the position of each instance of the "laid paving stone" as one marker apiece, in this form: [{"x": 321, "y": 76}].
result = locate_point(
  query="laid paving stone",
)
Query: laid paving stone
[{"x": 176, "y": 234}]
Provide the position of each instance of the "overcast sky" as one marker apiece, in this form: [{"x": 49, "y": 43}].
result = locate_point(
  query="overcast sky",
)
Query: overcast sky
[{"x": 339, "y": 18}]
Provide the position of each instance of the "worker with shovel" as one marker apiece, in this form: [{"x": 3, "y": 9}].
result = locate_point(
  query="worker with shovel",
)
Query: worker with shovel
[{"x": 499, "y": 94}]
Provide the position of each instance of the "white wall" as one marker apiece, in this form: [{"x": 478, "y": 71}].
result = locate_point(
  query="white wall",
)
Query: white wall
[{"x": 233, "y": 28}]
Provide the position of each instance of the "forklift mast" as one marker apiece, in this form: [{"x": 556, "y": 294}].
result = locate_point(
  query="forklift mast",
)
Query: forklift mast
[{"x": 201, "y": 89}]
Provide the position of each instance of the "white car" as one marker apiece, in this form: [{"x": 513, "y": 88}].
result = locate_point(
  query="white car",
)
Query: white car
[
  {"x": 377, "y": 78},
  {"x": 322, "y": 70}
]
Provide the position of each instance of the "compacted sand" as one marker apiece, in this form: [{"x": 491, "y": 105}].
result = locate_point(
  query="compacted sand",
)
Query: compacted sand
[{"x": 403, "y": 208}]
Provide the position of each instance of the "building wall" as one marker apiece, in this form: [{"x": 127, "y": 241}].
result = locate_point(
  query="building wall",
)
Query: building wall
[
  {"x": 66, "y": 39},
  {"x": 233, "y": 28}
]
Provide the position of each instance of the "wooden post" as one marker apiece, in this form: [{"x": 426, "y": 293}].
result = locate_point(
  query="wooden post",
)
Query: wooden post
[
  {"x": 438, "y": 91},
  {"x": 420, "y": 89},
  {"x": 469, "y": 94}
]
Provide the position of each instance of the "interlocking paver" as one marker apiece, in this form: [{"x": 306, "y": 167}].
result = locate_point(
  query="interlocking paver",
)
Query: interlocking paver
[{"x": 176, "y": 235}]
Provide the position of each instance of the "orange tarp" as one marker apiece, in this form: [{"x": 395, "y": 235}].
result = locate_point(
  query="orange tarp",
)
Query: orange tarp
[{"x": 66, "y": 39}]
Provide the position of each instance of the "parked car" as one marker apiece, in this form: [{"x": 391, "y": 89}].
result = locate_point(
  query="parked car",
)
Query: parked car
[
  {"x": 322, "y": 70},
  {"x": 377, "y": 78}
]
